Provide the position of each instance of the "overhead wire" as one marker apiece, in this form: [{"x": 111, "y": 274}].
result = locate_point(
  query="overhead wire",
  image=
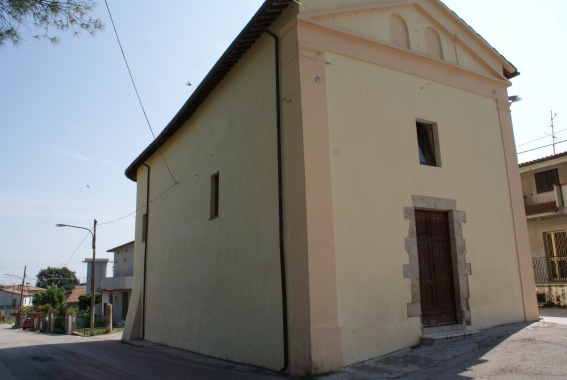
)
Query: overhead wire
[
  {"x": 544, "y": 146},
  {"x": 76, "y": 249},
  {"x": 526, "y": 143},
  {"x": 138, "y": 94},
  {"x": 139, "y": 208},
  {"x": 151, "y": 130}
]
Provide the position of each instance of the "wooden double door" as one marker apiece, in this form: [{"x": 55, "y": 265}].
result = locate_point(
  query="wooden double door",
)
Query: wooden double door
[{"x": 437, "y": 289}]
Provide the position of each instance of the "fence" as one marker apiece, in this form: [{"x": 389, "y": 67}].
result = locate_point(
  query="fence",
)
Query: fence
[
  {"x": 550, "y": 269},
  {"x": 83, "y": 324}
]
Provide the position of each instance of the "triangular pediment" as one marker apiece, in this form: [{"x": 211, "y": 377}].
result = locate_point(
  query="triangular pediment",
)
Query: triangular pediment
[{"x": 427, "y": 28}]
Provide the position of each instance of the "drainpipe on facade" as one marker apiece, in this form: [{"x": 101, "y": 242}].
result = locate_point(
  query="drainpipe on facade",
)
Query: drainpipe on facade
[
  {"x": 280, "y": 198},
  {"x": 145, "y": 251}
]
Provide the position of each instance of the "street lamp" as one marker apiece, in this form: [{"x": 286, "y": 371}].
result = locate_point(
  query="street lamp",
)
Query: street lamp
[
  {"x": 93, "y": 234},
  {"x": 514, "y": 98}
]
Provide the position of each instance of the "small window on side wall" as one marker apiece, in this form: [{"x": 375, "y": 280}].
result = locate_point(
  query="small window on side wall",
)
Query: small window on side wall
[
  {"x": 215, "y": 183},
  {"x": 427, "y": 143}
]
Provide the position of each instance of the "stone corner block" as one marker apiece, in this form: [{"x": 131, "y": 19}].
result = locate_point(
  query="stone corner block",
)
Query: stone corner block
[{"x": 414, "y": 309}]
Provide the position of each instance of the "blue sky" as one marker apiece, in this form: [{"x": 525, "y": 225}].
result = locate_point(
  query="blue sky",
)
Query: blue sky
[{"x": 71, "y": 122}]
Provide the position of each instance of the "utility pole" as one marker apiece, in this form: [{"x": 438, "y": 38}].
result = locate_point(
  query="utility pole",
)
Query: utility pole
[
  {"x": 93, "y": 233},
  {"x": 21, "y": 298},
  {"x": 93, "y": 280},
  {"x": 12, "y": 298}
]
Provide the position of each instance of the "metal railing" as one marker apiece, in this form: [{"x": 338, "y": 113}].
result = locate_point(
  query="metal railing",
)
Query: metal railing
[{"x": 550, "y": 269}]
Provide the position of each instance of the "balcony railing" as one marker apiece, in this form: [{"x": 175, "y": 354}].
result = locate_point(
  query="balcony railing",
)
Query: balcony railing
[
  {"x": 123, "y": 282},
  {"x": 550, "y": 269},
  {"x": 548, "y": 202}
]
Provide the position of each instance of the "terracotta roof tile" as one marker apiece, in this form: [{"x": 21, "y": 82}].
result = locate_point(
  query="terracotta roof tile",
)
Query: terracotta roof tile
[
  {"x": 543, "y": 159},
  {"x": 17, "y": 289},
  {"x": 541, "y": 207},
  {"x": 74, "y": 296}
]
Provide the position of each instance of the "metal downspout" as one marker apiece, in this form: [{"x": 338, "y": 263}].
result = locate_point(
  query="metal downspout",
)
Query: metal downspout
[
  {"x": 280, "y": 199},
  {"x": 146, "y": 252}
]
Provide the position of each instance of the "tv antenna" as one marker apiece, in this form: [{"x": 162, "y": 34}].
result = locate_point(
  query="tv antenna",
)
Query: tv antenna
[{"x": 553, "y": 137}]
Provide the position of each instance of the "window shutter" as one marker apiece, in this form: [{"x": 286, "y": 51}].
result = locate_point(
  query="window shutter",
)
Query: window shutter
[{"x": 540, "y": 182}]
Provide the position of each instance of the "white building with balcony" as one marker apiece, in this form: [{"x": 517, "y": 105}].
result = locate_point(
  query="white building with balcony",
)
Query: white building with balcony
[
  {"x": 117, "y": 289},
  {"x": 544, "y": 186}
]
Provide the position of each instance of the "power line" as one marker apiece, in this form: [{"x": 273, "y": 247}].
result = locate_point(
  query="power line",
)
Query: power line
[
  {"x": 526, "y": 143},
  {"x": 72, "y": 253},
  {"x": 544, "y": 146},
  {"x": 139, "y": 208},
  {"x": 137, "y": 93},
  {"x": 122, "y": 217}
]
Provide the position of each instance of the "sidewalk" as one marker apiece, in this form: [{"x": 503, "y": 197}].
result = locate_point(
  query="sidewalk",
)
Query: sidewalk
[
  {"x": 553, "y": 315},
  {"x": 519, "y": 351}
]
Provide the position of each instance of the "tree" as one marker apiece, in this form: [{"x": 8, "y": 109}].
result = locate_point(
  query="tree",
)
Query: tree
[
  {"x": 62, "y": 277},
  {"x": 53, "y": 296},
  {"x": 85, "y": 300},
  {"x": 45, "y": 16}
]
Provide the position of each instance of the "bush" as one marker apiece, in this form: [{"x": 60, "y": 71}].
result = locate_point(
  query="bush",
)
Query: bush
[
  {"x": 81, "y": 323},
  {"x": 59, "y": 323},
  {"x": 44, "y": 309},
  {"x": 9, "y": 320},
  {"x": 85, "y": 322},
  {"x": 100, "y": 322}
]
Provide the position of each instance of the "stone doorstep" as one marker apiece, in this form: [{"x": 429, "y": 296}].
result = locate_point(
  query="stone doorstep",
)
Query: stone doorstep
[{"x": 445, "y": 337}]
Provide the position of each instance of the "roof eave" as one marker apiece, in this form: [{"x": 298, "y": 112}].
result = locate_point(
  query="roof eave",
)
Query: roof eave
[
  {"x": 508, "y": 69},
  {"x": 264, "y": 17},
  {"x": 120, "y": 246}
]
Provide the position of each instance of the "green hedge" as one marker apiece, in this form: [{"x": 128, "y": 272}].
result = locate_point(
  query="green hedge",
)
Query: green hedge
[
  {"x": 59, "y": 323},
  {"x": 85, "y": 322}
]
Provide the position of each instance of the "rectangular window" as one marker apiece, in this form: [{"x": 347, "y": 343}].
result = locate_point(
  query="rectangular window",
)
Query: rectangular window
[
  {"x": 426, "y": 142},
  {"x": 144, "y": 227},
  {"x": 215, "y": 195},
  {"x": 545, "y": 180},
  {"x": 555, "y": 243}
]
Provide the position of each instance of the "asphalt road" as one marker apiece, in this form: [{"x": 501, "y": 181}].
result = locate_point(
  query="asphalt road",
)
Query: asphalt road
[
  {"x": 30, "y": 355},
  {"x": 520, "y": 351}
]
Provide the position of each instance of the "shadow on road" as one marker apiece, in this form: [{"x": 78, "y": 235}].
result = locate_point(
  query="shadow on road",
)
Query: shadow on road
[
  {"x": 48, "y": 356},
  {"x": 517, "y": 351}
]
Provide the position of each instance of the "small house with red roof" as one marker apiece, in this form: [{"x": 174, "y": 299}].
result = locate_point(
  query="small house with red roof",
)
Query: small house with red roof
[{"x": 10, "y": 296}]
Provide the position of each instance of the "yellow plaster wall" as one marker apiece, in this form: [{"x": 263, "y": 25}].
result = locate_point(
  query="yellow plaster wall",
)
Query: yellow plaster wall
[
  {"x": 214, "y": 285},
  {"x": 133, "y": 323},
  {"x": 371, "y": 169},
  {"x": 375, "y": 170},
  {"x": 370, "y": 19}
]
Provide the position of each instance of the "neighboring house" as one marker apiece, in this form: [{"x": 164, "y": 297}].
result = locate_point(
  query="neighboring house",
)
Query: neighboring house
[
  {"x": 73, "y": 299},
  {"x": 545, "y": 192},
  {"x": 333, "y": 200},
  {"x": 10, "y": 296},
  {"x": 100, "y": 275},
  {"x": 118, "y": 288}
]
